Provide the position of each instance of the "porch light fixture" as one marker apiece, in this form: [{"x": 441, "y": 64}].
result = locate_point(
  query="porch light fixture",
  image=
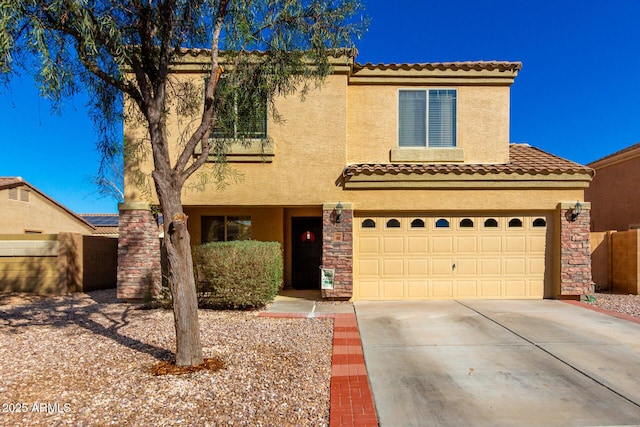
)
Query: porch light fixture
[
  {"x": 339, "y": 212},
  {"x": 576, "y": 211}
]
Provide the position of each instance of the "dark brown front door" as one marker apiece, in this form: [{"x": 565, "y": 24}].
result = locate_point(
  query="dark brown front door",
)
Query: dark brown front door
[{"x": 307, "y": 252}]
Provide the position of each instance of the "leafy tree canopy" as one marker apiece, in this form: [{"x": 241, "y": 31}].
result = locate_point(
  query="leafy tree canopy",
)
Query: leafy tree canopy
[
  {"x": 110, "y": 48},
  {"x": 128, "y": 47}
]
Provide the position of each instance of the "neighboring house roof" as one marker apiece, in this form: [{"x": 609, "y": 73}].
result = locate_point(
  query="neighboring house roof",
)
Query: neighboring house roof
[
  {"x": 523, "y": 160},
  {"x": 8, "y": 182},
  {"x": 105, "y": 224},
  {"x": 617, "y": 157},
  {"x": 16, "y": 181}
]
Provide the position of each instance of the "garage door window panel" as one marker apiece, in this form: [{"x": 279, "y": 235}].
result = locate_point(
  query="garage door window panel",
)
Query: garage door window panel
[
  {"x": 442, "y": 223},
  {"x": 368, "y": 223},
  {"x": 539, "y": 222},
  {"x": 393, "y": 223},
  {"x": 417, "y": 223},
  {"x": 515, "y": 223},
  {"x": 466, "y": 223},
  {"x": 491, "y": 223}
]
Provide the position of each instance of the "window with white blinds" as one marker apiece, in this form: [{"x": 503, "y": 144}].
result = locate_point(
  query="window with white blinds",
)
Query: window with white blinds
[
  {"x": 242, "y": 114},
  {"x": 427, "y": 118}
]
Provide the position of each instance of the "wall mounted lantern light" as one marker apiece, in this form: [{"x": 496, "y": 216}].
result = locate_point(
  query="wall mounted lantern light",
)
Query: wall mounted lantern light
[
  {"x": 339, "y": 212},
  {"x": 576, "y": 211}
]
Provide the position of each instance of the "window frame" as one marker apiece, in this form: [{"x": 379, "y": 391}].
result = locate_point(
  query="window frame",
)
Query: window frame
[
  {"x": 225, "y": 224},
  {"x": 427, "y": 143},
  {"x": 237, "y": 134}
]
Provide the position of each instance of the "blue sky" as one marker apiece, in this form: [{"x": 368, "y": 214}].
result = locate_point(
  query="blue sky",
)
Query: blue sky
[{"x": 577, "y": 96}]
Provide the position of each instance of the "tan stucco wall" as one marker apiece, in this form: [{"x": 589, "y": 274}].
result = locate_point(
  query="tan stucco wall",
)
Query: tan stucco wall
[
  {"x": 337, "y": 124},
  {"x": 56, "y": 264},
  {"x": 625, "y": 265},
  {"x": 601, "y": 259},
  {"x": 482, "y": 123},
  {"x": 614, "y": 194},
  {"x": 38, "y": 214}
]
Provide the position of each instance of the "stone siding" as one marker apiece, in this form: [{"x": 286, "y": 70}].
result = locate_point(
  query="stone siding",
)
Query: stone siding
[
  {"x": 337, "y": 251},
  {"x": 575, "y": 256},
  {"x": 139, "y": 271}
]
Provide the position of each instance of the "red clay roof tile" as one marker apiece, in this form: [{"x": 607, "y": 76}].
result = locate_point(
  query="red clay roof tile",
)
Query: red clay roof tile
[
  {"x": 523, "y": 159},
  {"x": 465, "y": 65}
]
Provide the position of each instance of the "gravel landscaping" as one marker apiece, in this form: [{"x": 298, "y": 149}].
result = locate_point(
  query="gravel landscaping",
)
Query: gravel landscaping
[
  {"x": 625, "y": 304},
  {"x": 85, "y": 360}
]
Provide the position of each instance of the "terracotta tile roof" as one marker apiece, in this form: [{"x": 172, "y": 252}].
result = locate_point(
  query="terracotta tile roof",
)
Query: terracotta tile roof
[
  {"x": 466, "y": 65},
  {"x": 106, "y": 231},
  {"x": 523, "y": 160}
]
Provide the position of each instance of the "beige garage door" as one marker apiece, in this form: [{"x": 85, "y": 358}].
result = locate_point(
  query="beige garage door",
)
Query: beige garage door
[{"x": 413, "y": 257}]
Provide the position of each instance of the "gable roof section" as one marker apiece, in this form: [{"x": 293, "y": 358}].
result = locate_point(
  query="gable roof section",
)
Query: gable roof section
[
  {"x": 620, "y": 156},
  {"x": 11, "y": 182},
  {"x": 528, "y": 166}
]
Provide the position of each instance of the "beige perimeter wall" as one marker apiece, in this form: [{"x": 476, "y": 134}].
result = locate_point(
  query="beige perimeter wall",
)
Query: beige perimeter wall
[
  {"x": 57, "y": 264},
  {"x": 615, "y": 261}
]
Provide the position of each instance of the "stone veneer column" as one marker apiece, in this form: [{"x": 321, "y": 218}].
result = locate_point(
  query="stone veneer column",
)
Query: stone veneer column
[
  {"x": 575, "y": 256},
  {"x": 139, "y": 270},
  {"x": 337, "y": 249}
]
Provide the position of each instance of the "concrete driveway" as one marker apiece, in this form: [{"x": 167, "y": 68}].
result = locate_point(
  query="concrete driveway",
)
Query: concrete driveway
[{"x": 499, "y": 363}]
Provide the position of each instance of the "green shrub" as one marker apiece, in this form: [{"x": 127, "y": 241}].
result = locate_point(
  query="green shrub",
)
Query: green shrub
[{"x": 242, "y": 274}]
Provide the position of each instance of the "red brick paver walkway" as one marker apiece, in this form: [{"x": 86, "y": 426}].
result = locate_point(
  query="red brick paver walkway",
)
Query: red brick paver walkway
[{"x": 351, "y": 399}]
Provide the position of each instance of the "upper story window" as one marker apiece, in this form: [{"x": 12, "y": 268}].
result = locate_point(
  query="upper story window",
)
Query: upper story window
[
  {"x": 427, "y": 118},
  {"x": 242, "y": 113}
]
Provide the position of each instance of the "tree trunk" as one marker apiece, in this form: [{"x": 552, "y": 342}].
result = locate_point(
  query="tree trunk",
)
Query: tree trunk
[{"x": 181, "y": 281}]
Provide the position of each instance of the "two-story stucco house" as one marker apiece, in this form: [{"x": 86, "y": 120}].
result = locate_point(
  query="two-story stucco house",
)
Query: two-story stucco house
[{"x": 400, "y": 177}]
